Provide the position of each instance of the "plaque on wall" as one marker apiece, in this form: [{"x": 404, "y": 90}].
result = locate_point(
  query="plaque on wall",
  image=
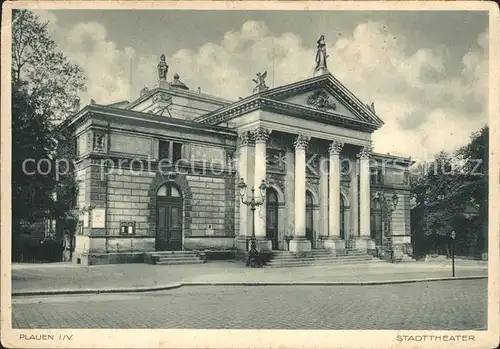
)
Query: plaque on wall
[{"x": 98, "y": 218}]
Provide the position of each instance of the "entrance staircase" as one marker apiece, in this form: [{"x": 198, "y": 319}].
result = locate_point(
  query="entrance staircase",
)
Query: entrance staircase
[
  {"x": 286, "y": 259},
  {"x": 174, "y": 257}
]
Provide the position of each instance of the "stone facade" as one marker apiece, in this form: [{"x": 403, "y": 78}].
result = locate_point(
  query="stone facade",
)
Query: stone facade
[{"x": 318, "y": 163}]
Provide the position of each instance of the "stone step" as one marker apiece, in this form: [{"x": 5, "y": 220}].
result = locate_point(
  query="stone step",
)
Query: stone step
[
  {"x": 171, "y": 253},
  {"x": 323, "y": 257},
  {"x": 311, "y": 261},
  {"x": 176, "y": 262},
  {"x": 320, "y": 263},
  {"x": 191, "y": 258}
]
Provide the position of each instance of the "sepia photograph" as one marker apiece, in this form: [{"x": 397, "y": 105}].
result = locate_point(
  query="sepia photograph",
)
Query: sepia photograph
[{"x": 326, "y": 169}]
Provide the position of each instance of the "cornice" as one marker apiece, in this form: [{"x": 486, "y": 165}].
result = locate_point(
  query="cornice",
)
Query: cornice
[
  {"x": 270, "y": 100},
  {"x": 107, "y": 112}
]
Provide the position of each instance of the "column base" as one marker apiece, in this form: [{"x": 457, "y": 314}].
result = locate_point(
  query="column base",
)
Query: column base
[
  {"x": 365, "y": 243},
  {"x": 300, "y": 245},
  {"x": 263, "y": 245},
  {"x": 241, "y": 242},
  {"x": 336, "y": 244}
]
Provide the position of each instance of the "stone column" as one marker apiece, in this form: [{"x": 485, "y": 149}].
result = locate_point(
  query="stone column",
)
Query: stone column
[
  {"x": 260, "y": 135},
  {"x": 323, "y": 202},
  {"x": 364, "y": 199},
  {"x": 245, "y": 142},
  {"x": 334, "y": 197},
  {"x": 299, "y": 242}
]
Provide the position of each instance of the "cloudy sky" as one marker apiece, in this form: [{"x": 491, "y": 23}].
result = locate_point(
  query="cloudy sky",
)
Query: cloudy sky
[{"x": 427, "y": 72}]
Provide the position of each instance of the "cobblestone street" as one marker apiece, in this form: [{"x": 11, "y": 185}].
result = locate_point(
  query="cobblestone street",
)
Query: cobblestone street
[{"x": 457, "y": 305}]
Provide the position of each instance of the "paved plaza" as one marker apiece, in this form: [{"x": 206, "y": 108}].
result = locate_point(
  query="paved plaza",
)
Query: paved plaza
[
  {"x": 457, "y": 305},
  {"x": 66, "y": 276}
]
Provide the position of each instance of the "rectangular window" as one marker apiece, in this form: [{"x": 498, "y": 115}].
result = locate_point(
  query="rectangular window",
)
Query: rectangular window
[
  {"x": 164, "y": 150},
  {"x": 171, "y": 151},
  {"x": 177, "y": 151}
]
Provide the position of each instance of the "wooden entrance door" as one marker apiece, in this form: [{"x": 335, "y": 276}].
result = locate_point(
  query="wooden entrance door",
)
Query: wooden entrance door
[
  {"x": 168, "y": 219},
  {"x": 272, "y": 218}
]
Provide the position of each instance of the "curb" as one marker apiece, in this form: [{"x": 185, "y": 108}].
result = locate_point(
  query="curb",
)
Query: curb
[
  {"x": 241, "y": 283},
  {"x": 95, "y": 290}
]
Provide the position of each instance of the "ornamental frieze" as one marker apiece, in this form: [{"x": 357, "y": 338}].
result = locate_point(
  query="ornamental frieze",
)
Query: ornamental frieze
[
  {"x": 276, "y": 160},
  {"x": 313, "y": 183},
  {"x": 312, "y": 164},
  {"x": 322, "y": 101},
  {"x": 276, "y": 179}
]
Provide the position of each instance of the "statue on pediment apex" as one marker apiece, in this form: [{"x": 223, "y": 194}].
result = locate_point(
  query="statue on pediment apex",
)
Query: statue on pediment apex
[
  {"x": 162, "y": 68},
  {"x": 321, "y": 54}
]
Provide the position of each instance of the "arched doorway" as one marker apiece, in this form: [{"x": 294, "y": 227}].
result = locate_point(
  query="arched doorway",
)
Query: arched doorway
[
  {"x": 272, "y": 206},
  {"x": 309, "y": 216},
  {"x": 376, "y": 222},
  {"x": 342, "y": 217},
  {"x": 168, "y": 218}
]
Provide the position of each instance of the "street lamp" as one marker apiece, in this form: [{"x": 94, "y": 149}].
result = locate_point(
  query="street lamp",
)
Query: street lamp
[
  {"x": 453, "y": 236},
  {"x": 253, "y": 255}
]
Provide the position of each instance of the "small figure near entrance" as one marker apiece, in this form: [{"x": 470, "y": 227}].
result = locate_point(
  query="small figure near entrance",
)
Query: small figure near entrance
[{"x": 254, "y": 259}]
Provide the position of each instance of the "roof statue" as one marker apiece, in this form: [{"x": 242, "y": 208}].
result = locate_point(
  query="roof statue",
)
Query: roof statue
[
  {"x": 371, "y": 107},
  {"x": 162, "y": 68},
  {"x": 321, "y": 56},
  {"x": 261, "y": 83}
]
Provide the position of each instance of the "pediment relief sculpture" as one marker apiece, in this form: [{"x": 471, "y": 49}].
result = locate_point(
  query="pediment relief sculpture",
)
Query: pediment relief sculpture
[{"x": 322, "y": 100}]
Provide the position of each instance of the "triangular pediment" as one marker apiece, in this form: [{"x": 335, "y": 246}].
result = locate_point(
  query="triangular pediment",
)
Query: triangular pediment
[
  {"x": 325, "y": 94},
  {"x": 321, "y": 100}
]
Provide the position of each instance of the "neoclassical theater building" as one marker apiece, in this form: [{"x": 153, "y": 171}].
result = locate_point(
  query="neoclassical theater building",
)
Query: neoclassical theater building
[{"x": 161, "y": 173}]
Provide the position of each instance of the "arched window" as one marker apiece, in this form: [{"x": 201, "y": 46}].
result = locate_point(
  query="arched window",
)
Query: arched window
[
  {"x": 168, "y": 190},
  {"x": 342, "y": 217},
  {"x": 309, "y": 216}
]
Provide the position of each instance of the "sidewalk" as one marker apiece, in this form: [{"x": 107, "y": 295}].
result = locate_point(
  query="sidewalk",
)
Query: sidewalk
[{"x": 71, "y": 277}]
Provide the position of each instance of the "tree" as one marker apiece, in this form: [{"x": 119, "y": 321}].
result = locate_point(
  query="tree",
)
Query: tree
[
  {"x": 37, "y": 61},
  {"x": 45, "y": 87},
  {"x": 474, "y": 176},
  {"x": 32, "y": 141},
  {"x": 451, "y": 193}
]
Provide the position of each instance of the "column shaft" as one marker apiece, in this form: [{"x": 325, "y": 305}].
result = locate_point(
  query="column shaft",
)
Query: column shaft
[
  {"x": 334, "y": 191},
  {"x": 299, "y": 242},
  {"x": 300, "y": 192},
  {"x": 261, "y": 136},
  {"x": 364, "y": 193},
  {"x": 245, "y": 142}
]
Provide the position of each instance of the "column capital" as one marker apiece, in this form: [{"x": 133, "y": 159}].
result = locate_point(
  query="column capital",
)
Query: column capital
[
  {"x": 365, "y": 152},
  {"x": 301, "y": 142},
  {"x": 335, "y": 147},
  {"x": 245, "y": 139},
  {"x": 261, "y": 134}
]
